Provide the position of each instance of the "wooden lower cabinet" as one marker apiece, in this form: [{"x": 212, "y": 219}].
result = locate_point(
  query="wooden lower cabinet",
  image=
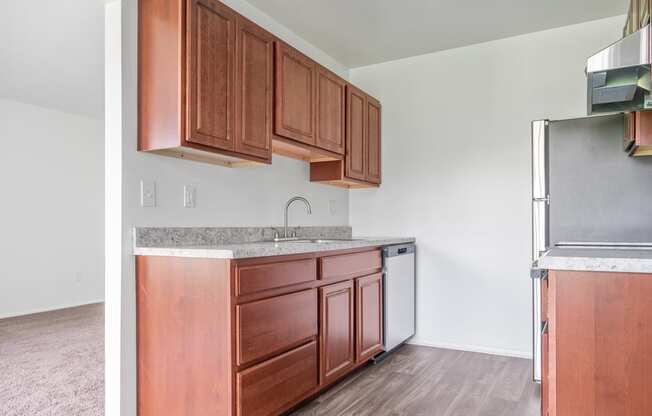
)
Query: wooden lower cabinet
[
  {"x": 252, "y": 337},
  {"x": 369, "y": 316},
  {"x": 273, "y": 325},
  {"x": 599, "y": 357},
  {"x": 545, "y": 342},
  {"x": 337, "y": 340},
  {"x": 357, "y": 264},
  {"x": 273, "y": 386}
]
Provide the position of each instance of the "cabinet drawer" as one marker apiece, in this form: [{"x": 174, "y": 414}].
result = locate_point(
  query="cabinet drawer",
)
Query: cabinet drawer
[
  {"x": 273, "y": 386},
  {"x": 273, "y": 325},
  {"x": 357, "y": 264},
  {"x": 260, "y": 277}
]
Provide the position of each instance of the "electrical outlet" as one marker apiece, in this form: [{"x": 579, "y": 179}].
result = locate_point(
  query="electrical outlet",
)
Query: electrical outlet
[
  {"x": 332, "y": 206},
  {"x": 147, "y": 194},
  {"x": 189, "y": 196}
]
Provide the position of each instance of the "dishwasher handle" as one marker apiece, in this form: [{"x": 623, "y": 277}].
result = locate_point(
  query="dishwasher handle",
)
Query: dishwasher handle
[{"x": 398, "y": 250}]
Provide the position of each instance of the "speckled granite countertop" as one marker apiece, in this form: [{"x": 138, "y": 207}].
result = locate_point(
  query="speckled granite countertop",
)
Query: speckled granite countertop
[
  {"x": 244, "y": 242},
  {"x": 598, "y": 260},
  {"x": 264, "y": 249}
]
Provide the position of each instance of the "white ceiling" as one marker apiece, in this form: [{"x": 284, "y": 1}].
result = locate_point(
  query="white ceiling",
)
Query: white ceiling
[
  {"x": 52, "y": 54},
  {"x": 364, "y": 32}
]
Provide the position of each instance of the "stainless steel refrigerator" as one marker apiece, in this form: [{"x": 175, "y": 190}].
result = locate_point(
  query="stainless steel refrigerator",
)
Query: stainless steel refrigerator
[{"x": 585, "y": 191}]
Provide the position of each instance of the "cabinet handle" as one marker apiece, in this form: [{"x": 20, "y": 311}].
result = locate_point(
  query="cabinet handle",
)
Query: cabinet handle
[
  {"x": 544, "y": 327},
  {"x": 545, "y": 199},
  {"x": 541, "y": 274}
]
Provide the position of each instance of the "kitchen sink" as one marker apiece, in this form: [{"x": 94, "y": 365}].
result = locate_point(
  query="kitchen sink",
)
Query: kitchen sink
[{"x": 318, "y": 240}]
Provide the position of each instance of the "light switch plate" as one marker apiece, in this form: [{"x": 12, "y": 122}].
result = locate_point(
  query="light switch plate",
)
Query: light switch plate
[
  {"x": 189, "y": 196},
  {"x": 147, "y": 194}
]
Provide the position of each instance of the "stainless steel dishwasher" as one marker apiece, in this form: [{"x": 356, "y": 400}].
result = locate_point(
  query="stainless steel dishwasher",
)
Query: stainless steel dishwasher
[{"x": 399, "y": 290}]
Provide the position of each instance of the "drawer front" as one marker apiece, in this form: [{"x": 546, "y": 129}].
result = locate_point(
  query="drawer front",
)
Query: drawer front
[
  {"x": 274, "y": 386},
  {"x": 274, "y": 325},
  {"x": 261, "y": 277},
  {"x": 357, "y": 264}
]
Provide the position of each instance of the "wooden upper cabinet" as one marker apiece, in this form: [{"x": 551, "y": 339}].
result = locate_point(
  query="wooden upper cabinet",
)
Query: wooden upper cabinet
[
  {"x": 337, "y": 338},
  {"x": 217, "y": 88},
  {"x": 254, "y": 97},
  {"x": 296, "y": 77},
  {"x": 638, "y": 126},
  {"x": 356, "y": 106},
  {"x": 331, "y": 114},
  {"x": 205, "y": 83},
  {"x": 211, "y": 62},
  {"x": 372, "y": 165},
  {"x": 369, "y": 316},
  {"x": 361, "y": 167}
]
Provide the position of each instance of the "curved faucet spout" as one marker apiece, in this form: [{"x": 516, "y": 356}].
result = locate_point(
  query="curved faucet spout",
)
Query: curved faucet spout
[{"x": 287, "y": 207}]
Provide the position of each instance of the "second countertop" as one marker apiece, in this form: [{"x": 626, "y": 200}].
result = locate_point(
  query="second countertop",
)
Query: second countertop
[{"x": 598, "y": 260}]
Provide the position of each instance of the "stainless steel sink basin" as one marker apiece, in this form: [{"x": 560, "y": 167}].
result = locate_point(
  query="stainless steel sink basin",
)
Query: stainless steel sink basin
[{"x": 317, "y": 240}]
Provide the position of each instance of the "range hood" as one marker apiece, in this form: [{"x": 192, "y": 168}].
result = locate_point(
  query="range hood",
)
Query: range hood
[{"x": 619, "y": 76}]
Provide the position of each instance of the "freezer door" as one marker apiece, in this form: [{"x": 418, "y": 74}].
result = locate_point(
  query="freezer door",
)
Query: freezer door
[{"x": 540, "y": 234}]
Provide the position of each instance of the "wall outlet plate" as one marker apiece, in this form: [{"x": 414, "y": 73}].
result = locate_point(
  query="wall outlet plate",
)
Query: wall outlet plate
[
  {"x": 147, "y": 194},
  {"x": 189, "y": 194}
]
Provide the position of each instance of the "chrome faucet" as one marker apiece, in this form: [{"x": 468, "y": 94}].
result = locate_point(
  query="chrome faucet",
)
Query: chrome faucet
[{"x": 285, "y": 225}]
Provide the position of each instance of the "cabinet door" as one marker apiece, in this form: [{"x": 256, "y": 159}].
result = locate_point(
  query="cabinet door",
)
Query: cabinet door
[
  {"x": 331, "y": 114},
  {"x": 211, "y": 46},
  {"x": 545, "y": 361},
  {"x": 630, "y": 128},
  {"x": 372, "y": 165},
  {"x": 254, "y": 90},
  {"x": 643, "y": 128},
  {"x": 295, "y": 95},
  {"x": 369, "y": 316},
  {"x": 356, "y": 103},
  {"x": 600, "y": 342},
  {"x": 337, "y": 334}
]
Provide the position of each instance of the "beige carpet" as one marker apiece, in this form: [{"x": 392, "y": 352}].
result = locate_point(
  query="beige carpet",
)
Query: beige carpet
[{"x": 52, "y": 363}]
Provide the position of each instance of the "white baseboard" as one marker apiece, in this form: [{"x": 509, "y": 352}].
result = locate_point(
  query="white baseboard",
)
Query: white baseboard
[
  {"x": 49, "y": 309},
  {"x": 472, "y": 348}
]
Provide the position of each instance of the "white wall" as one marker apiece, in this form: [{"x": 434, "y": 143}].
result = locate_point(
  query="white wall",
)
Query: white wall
[
  {"x": 456, "y": 172},
  {"x": 52, "y": 241},
  {"x": 225, "y": 197}
]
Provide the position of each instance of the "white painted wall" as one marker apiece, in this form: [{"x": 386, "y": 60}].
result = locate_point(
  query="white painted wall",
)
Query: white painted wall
[
  {"x": 252, "y": 196},
  {"x": 456, "y": 172},
  {"x": 52, "y": 239}
]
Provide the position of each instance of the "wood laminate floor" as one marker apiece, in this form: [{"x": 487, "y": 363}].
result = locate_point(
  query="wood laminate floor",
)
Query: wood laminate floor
[{"x": 423, "y": 381}]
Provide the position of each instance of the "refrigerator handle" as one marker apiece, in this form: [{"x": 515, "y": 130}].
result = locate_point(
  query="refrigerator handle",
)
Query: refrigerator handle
[{"x": 546, "y": 199}]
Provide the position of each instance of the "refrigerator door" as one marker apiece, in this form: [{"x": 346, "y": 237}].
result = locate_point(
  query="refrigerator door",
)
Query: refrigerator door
[{"x": 540, "y": 234}]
